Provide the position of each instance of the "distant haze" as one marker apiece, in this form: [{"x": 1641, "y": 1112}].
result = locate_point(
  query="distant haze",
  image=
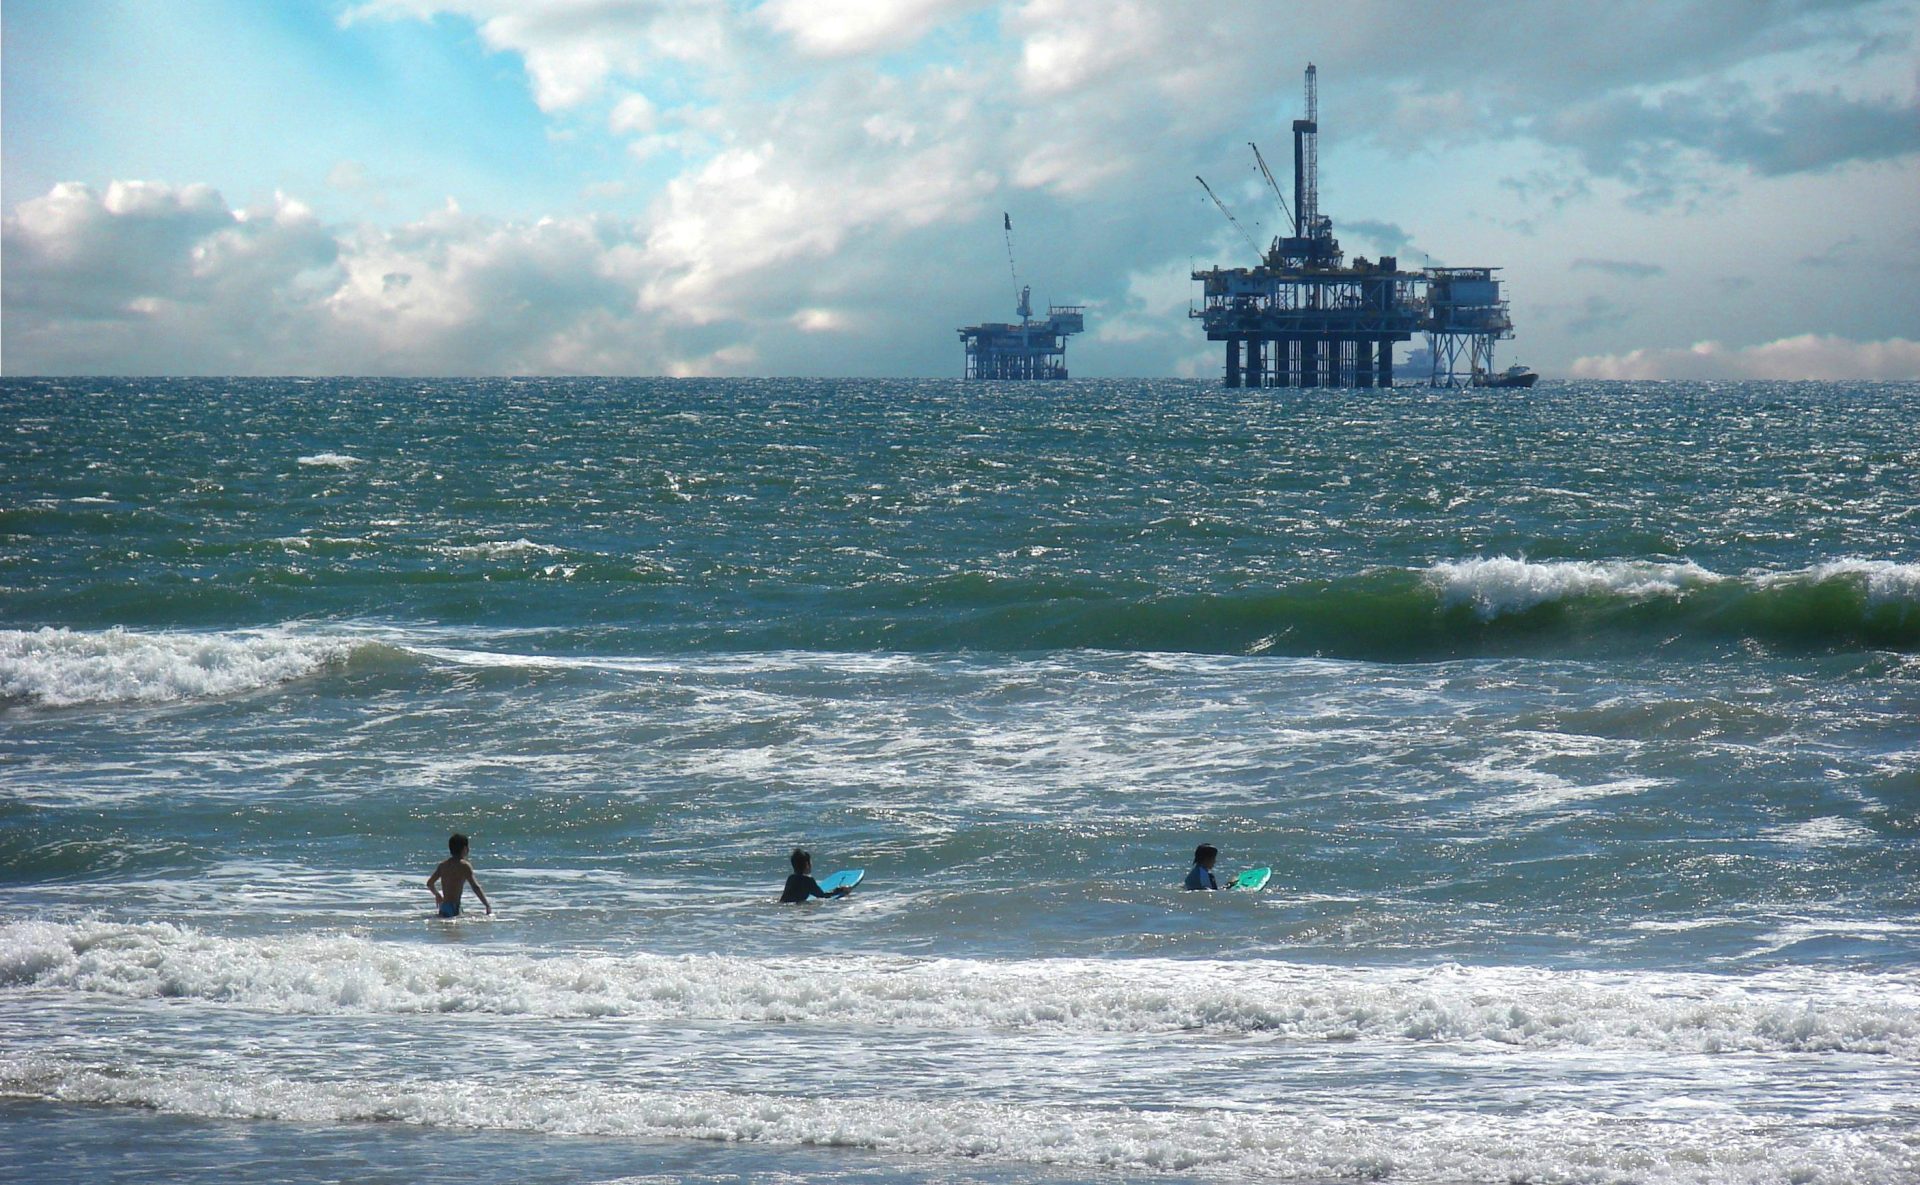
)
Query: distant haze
[{"x": 1718, "y": 189}]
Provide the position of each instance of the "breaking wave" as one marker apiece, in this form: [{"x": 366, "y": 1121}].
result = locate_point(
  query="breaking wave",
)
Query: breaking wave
[
  {"x": 329, "y": 461},
  {"x": 1500, "y": 586},
  {"x": 63, "y": 668},
  {"x": 1840, "y": 603},
  {"x": 1452, "y": 609},
  {"x": 1798, "y": 1011},
  {"x": 1546, "y": 1144}
]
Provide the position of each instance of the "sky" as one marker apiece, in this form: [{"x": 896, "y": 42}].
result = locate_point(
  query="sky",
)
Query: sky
[{"x": 1721, "y": 189}]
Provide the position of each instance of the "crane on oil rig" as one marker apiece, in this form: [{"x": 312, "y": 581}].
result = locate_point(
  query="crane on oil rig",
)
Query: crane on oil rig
[
  {"x": 1023, "y": 299},
  {"x": 1228, "y": 213},
  {"x": 1273, "y": 185}
]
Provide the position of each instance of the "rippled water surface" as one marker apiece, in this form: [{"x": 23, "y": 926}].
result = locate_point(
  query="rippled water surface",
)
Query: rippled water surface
[{"x": 1580, "y": 727}]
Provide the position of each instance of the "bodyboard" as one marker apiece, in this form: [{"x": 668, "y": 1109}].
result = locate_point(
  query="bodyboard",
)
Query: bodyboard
[
  {"x": 844, "y": 879},
  {"x": 1253, "y": 879}
]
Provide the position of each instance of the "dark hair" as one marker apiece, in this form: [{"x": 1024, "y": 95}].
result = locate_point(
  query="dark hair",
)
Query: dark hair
[
  {"x": 802, "y": 860},
  {"x": 457, "y": 844},
  {"x": 1204, "y": 853}
]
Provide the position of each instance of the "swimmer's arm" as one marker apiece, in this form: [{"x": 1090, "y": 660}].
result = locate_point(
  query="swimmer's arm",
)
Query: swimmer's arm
[
  {"x": 433, "y": 886},
  {"x": 478, "y": 892},
  {"x": 814, "y": 890}
]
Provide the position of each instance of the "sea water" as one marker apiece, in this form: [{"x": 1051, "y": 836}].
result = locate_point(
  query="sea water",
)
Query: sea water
[{"x": 1580, "y": 726}]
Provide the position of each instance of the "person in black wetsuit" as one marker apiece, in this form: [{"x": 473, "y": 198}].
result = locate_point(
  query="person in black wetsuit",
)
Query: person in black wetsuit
[
  {"x": 1200, "y": 876},
  {"x": 801, "y": 886}
]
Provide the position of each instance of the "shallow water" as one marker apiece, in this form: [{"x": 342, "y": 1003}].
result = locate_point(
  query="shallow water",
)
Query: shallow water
[{"x": 1581, "y": 727}]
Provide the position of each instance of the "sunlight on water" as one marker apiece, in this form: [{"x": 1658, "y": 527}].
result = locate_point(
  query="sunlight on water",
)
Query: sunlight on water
[{"x": 1589, "y": 790}]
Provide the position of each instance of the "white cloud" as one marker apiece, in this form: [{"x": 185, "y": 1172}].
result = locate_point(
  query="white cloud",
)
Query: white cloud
[
  {"x": 727, "y": 360},
  {"x": 164, "y": 280},
  {"x": 573, "y": 48},
  {"x": 349, "y": 176},
  {"x": 1149, "y": 51},
  {"x": 814, "y": 187},
  {"x": 1154, "y": 306},
  {"x": 1630, "y": 269},
  {"x": 1807, "y": 356},
  {"x": 634, "y": 115},
  {"x": 838, "y": 28},
  {"x": 820, "y": 320},
  {"x": 167, "y": 280},
  {"x": 828, "y": 174},
  {"x": 77, "y": 253}
]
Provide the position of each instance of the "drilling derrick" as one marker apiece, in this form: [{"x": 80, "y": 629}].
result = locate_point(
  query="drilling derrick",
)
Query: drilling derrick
[
  {"x": 1304, "y": 317},
  {"x": 1306, "y": 160},
  {"x": 1032, "y": 349}
]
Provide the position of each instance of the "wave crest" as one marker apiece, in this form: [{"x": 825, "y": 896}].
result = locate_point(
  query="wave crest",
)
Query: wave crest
[
  {"x": 62, "y": 668},
  {"x": 1548, "y": 1143},
  {"x": 1500, "y": 585},
  {"x": 336, "y": 974},
  {"x": 1451, "y": 609}
]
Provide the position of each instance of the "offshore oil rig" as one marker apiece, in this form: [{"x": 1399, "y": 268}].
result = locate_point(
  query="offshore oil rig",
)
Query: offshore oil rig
[
  {"x": 1030, "y": 350},
  {"x": 1306, "y": 318}
]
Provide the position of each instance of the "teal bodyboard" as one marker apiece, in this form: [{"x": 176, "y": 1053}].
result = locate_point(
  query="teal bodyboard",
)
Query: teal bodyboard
[
  {"x": 844, "y": 879},
  {"x": 1253, "y": 879}
]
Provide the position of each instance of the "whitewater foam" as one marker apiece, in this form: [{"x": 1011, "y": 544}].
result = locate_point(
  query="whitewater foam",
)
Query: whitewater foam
[
  {"x": 1711, "y": 1147},
  {"x": 1513, "y": 1007},
  {"x": 1885, "y": 582},
  {"x": 503, "y": 548},
  {"x": 59, "y": 667},
  {"x": 1831, "y": 830},
  {"x": 1500, "y": 585}
]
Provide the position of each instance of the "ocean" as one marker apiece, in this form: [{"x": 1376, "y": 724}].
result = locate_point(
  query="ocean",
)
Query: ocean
[{"x": 1580, "y": 727}]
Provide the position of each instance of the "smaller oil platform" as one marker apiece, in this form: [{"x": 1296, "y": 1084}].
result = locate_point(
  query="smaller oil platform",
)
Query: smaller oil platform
[
  {"x": 1031, "y": 349},
  {"x": 1466, "y": 315}
]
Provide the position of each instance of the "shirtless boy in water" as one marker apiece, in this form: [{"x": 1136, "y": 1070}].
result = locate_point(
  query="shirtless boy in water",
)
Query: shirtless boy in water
[{"x": 453, "y": 875}]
